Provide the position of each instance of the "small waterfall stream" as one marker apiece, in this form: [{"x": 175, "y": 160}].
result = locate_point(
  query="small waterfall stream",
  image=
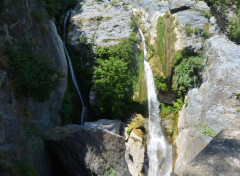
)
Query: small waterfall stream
[
  {"x": 71, "y": 67},
  {"x": 158, "y": 149}
]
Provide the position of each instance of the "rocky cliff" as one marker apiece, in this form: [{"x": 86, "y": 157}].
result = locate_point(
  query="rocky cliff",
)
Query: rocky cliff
[
  {"x": 22, "y": 122},
  {"x": 212, "y": 107}
]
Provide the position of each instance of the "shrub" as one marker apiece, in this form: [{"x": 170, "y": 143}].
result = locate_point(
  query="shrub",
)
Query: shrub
[
  {"x": 234, "y": 29},
  {"x": 206, "y": 130},
  {"x": 33, "y": 76},
  {"x": 188, "y": 30},
  {"x": 134, "y": 24},
  {"x": 161, "y": 83},
  {"x": 114, "y": 76},
  {"x": 56, "y": 7},
  {"x": 206, "y": 34},
  {"x": 188, "y": 74},
  {"x": 38, "y": 15},
  {"x": 23, "y": 168},
  {"x": 67, "y": 107}
]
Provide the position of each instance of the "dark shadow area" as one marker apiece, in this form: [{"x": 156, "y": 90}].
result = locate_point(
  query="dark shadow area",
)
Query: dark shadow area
[{"x": 183, "y": 8}]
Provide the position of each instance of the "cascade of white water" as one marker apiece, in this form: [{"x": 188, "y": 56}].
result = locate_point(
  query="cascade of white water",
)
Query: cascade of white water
[
  {"x": 71, "y": 67},
  {"x": 158, "y": 149}
]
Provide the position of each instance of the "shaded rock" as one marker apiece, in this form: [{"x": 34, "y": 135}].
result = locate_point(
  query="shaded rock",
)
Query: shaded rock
[
  {"x": 213, "y": 103},
  {"x": 85, "y": 151},
  {"x": 115, "y": 126},
  {"x": 21, "y": 122},
  {"x": 220, "y": 157}
]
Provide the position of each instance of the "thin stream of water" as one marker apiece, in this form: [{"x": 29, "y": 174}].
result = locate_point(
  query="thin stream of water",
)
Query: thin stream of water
[{"x": 71, "y": 67}]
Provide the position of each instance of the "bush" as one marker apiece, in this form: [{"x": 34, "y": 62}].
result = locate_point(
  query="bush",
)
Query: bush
[
  {"x": 188, "y": 30},
  {"x": 33, "y": 76},
  {"x": 114, "y": 76},
  {"x": 206, "y": 34},
  {"x": 234, "y": 29},
  {"x": 56, "y": 7},
  {"x": 188, "y": 74},
  {"x": 161, "y": 83},
  {"x": 23, "y": 168},
  {"x": 67, "y": 107},
  {"x": 134, "y": 24}
]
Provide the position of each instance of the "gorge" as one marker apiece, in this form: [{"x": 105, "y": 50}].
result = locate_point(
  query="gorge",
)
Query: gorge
[{"x": 145, "y": 87}]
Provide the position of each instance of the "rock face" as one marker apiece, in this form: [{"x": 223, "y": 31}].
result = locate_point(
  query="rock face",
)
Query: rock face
[
  {"x": 193, "y": 14},
  {"x": 135, "y": 153},
  {"x": 105, "y": 23},
  {"x": 102, "y": 23},
  {"x": 20, "y": 122},
  {"x": 86, "y": 151},
  {"x": 214, "y": 104},
  {"x": 220, "y": 157}
]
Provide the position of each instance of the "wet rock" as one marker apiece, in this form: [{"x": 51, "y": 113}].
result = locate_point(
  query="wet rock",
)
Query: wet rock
[{"x": 115, "y": 126}]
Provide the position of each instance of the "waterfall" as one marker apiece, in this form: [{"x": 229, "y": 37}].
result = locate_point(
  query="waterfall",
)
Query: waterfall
[
  {"x": 71, "y": 67},
  {"x": 158, "y": 149}
]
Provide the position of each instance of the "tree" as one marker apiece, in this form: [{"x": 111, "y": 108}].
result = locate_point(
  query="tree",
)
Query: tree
[{"x": 112, "y": 80}]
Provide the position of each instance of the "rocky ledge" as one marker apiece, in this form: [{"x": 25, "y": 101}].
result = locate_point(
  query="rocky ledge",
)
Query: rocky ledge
[
  {"x": 86, "y": 151},
  {"x": 220, "y": 157}
]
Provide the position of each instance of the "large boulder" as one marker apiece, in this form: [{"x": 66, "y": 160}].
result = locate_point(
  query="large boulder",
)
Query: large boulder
[
  {"x": 86, "y": 151},
  {"x": 212, "y": 107},
  {"x": 220, "y": 157}
]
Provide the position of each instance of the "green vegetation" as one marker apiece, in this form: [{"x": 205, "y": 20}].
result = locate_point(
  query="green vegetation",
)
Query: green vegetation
[
  {"x": 20, "y": 168},
  {"x": 109, "y": 171},
  {"x": 38, "y": 15},
  {"x": 233, "y": 26},
  {"x": 136, "y": 123},
  {"x": 188, "y": 30},
  {"x": 161, "y": 83},
  {"x": 56, "y": 7},
  {"x": 32, "y": 75},
  {"x": 188, "y": 74},
  {"x": 115, "y": 75},
  {"x": 206, "y": 130},
  {"x": 67, "y": 107},
  {"x": 163, "y": 49},
  {"x": 134, "y": 24},
  {"x": 23, "y": 168}
]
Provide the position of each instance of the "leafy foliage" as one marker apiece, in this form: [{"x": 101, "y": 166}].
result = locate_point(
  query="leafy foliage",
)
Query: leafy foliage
[
  {"x": 206, "y": 130},
  {"x": 114, "y": 76},
  {"x": 161, "y": 83},
  {"x": 233, "y": 26},
  {"x": 188, "y": 74},
  {"x": 67, "y": 107},
  {"x": 109, "y": 171},
  {"x": 23, "y": 168},
  {"x": 55, "y": 7},
  {"x": 32, "y": 75},
  {"x": 134, "y": 23}
]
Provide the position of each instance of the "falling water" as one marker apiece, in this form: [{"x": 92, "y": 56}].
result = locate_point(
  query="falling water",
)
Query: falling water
[
  {"x": 158, "y": 149},
  {"x": 71, "y": 67}
]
